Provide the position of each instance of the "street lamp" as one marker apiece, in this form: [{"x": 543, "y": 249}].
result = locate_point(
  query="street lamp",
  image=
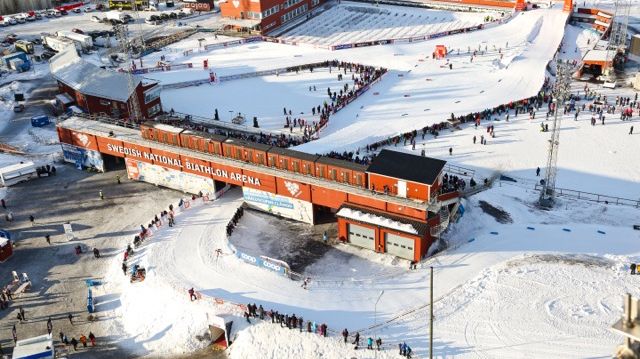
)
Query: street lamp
[{"x": 375, "y": 317}]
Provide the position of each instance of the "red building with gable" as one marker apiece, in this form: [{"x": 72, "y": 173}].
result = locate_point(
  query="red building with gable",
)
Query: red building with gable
[
  {"x": 266, "y": 15},
  {"x": 103, "y": 92}
]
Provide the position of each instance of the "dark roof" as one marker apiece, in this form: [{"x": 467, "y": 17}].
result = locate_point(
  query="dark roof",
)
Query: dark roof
[
  {"x": 207, "y": 135},
  {"x": 406, "y": 166},
  {"x": 421, "y": 227},
  {"x": 342, "y": 163},
  {"x": 292, "y": 153},
  {"x": 248, "y": 144}
]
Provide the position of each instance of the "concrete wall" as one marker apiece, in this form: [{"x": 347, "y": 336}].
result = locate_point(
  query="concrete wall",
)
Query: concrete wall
[{"x": 8, "y": 7}]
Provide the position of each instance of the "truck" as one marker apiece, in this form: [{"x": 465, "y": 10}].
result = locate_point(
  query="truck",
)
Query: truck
[
  {"x": 59, "y": 43},
  {"x": 17, "y": 173},
  {"x": 40, "y": 121},
  {"x": 24, "y": 46},
  {"x": 85, "y": 41},
  {"x": 117, "y": 16},
  {"x": 35, "y": 347},
  {"x": 17, "y": 61}
]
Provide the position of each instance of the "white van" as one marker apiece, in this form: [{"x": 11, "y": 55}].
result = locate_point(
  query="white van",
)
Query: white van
[{"x": 17, "y": 173}]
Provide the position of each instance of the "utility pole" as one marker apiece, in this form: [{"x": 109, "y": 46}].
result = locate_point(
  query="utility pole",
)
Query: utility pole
[
  {"x": 561, "y": 92},
  {"x": 431, "y": 318}
]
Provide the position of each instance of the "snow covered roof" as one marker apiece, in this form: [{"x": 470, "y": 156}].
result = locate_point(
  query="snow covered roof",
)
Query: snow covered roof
[
  {"x": 406, "y": 166},
  {"x": 381, "y": 219},
  {"x": 90, "y": 79},
  {"x": 342, "y": 163},
  {"x": 598, "y": 55}
]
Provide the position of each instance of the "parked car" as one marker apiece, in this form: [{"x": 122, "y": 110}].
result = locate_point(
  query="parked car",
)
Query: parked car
[
  {"x": 151, "y": 21},
  {"x": 77, "y": 10},
  {"x": 173, "y": 15},
  {"x": 38, "y": 16},
  {"x": 88, "y": 9},
  {"x": 164, "y": 16},
  {"x": 47, "y": 55},
  {"x": 77, "y": 31},
  {"x": 18, "y": 108},
  {"x": 95, "y": 19}
]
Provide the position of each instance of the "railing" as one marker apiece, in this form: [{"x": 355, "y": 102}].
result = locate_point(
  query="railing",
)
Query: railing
[
  {"x": 449, "y": 168},
  {"x": 593, "y": 197}
]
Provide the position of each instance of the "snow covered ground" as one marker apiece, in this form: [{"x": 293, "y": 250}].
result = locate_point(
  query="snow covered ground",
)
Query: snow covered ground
[
  {"x": 346, "y": 24},
  {"x": 272, "y": 94},
  {"x": 505, "y": 290}
]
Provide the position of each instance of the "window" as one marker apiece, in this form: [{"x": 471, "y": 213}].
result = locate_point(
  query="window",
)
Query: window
[
  {"x": 284, "y": 164},
  {"x": 359, "y": 180},
  {"x": 152, "y": 94},
  {"x": 254, "y": 15},
  {"x": 260, "y": 158},
  {"x": 315, "y": 3},
  {"x": 332, "y": 174},
  {"x": 296, "y": 167},
  {"x": 294, "y": 13},
  {"x": 290, "y": 3},
  {"x": 272, "y": 161},
  {"x": 271, "y": 11},
  {"x": 105, "y": 102},
  {"x": 153, "y": 110},
  {"x": 307, "y": 169}
]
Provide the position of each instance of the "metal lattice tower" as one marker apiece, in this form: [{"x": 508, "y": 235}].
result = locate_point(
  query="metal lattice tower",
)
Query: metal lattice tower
[
  {"x": 619, "y": 29},
  {"x": 561, "y": 93},
  {"x": 127, "y": 46}
]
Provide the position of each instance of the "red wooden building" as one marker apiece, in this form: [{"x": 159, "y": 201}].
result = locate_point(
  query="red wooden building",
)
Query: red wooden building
[
  {"x": 265, "y": 15},
  {"x": 103, "y": 92},
  {"x": 391, "y": 206}
]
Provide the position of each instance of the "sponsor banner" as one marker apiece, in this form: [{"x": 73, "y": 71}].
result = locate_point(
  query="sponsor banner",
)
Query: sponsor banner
[
  {"x": 291, "y": 208},
  {"x": 440, "y": 34},
  {"x": 363, "y": 44},
  {"x": 343, "y": 46},
  {"x": 82, "y": 157},
  {"x": 198, "y": 6},
  {"x": 262, "y": 263},
  {"x": 161, "y": 176},
  {"x": 253, "y": 39}
]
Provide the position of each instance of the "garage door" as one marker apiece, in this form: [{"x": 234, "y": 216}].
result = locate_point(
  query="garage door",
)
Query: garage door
[
  {"x": 361, "y": 236},
  {"x": 399, "y": 246}
]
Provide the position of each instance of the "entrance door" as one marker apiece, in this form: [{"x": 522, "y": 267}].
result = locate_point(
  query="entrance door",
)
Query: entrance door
[
  {"x": 361, "y": 236},
  {"x": 399, "y": 246},
  {"x": 402, "y": 189}
]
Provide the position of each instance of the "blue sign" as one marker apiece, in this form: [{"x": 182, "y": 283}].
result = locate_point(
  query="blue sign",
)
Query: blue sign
[
  {"x": 5, "y": 234},
  {"x": 259, "y": 262}
]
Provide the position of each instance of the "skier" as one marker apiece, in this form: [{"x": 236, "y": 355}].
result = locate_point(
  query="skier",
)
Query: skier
[
  {"x": 96, "y": 253},
  {"x": 474, "y": 139},
  {"x": 538, "y": 172},
  {"x": 24, "y": 317},
  {"x": 74, "y": 342},
  {"x": 83, "y": 340},
  {"x": 118, "y": 179},
  {"x": 369, "y": 343},
  {"x": 49, "y": 326},
  {"x": 48, "y": 238},
  {"x": 70, "y": 316},
  {"x": 325, "y": 237},
  {"x": 192, "y": 294},
  {"x": 356, "y": 340},
  {"x": 450, "y": 151},
  {"x": 101, "y": 194},
  {"x": 2, "y": 202},
  {"x": 345, "y": 334},
  {"x": 92, "y": 338},
  {"x": 378, "y": 343},
  {"x": 32, "y": 220},
  {"x": 124, "y": 268},
  {"x": 631, "y": 130}
]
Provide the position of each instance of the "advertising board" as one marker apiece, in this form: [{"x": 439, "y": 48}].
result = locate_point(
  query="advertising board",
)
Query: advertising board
[
  {"x": 279, "y": 205},
  {"x": 82, "y": 157},
  {"x": 166, "y": 177}
]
